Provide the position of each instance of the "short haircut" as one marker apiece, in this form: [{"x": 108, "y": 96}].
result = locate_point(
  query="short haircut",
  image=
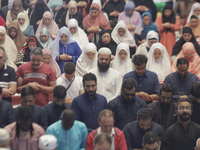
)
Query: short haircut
[
  {"x": 26, "y": 91},
  {"x": 59, "y": 92},
  {"x": 145, "y": 114},
  {"x": 129, "y": 84},
  {"x": 182, "y": 61},
  {"x": 166, "y": 87},
  {"x": 185, "y": 100},
  {"x": 102, "y": 138},
  {"x": 24, "y": 113},
  {"x": 139, "y": 59},
  {"x": 150, "y": 138},
  {"x": 89, "y": 77},
  {"x": 0, "y": 90},
  {"x": 36, "y": 51},
  {"x": 105, "y": 113},
  {"x": 195, "y": 90},
  {"x": 69, "y": 67},
  {"x": 68, "y": 114}
]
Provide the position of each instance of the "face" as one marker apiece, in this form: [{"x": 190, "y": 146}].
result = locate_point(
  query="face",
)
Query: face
[
  {"x": 106, "y": 124},
  {"x": 2, "y": 58},
  {"x": 36, "y": 61},
  {"x": 28, "y": 100},
  {"x": 103, "y": 62},
  {"x": 21, "y": 21},
  {"x": 146, "y": 20},
  {"x": 2, "y": 38},
  {"x": 44, "y": 38},
  {"x": 184, "y": 111},
  {"x": 47, "y": 21},
  {"x": 64, "y": 38},
  {"x": 69, "y": 76},
  {"x": 196, "y": 11},
  {"x": 46, "y": 59},
  {"x": 106, "y": 38},
  {"x": 187, "y": 37},
  {"x": 151, "y": 42},
  {"x": 17, "y": 8},
  {"x": 103, "y": 146},
  {"x": 157, "y": 53},
  {"x": 167, "y": 12},
  {"x": 73, "y": 30},
  {"x": 13, "y": 33},
  {"x": 154, "y": 146},
  {"x": 193, "y": 22},
  {"x": 67, "y": 124},
  {"x": 65, "y": 6},
  {"x": 188, "y": 55},
  {"x": 90, "y": 55},
  {"x": 145, "y": 125},
  {"x": 121, "y": 31},
  {"x": 94, "y": 13},
  {"x": 58, "y": 101},
  {"x": 182, "y": 70},
  {"x": 24, "y": 125},
  {"x": 122, "y": 54},
  {"x": 90, "y": 88},
  {"x": 165, "y": 98},
  {"x": 128, "y": 95},
  {"x": 32, "y": 46},
  {"x": 72, "y": 10},
  {"x": 140, "y": 69},
  {"x": 129, "y": 12}
]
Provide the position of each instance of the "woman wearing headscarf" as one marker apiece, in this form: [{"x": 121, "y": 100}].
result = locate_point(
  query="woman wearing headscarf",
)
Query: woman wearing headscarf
[
  {"x": 122, "y": 62},
  {"x": 77, "y": 34},
  {"x": 167, "y": 24},
  {"x": 61, "y": 11},
  {"x": 94, "y": 22},
  {"x": 188, "y": 51},
  {"x": 25, "y": 27},
  {"x": 113, "y": 8},
  {"x": 55, "y": 5},
  {"x": 17, "y": 7},
  {"x": 72, "y": 12},
  {"x": 152, "y": 37},
  {"x": 131, "y": 17},
  {"x": 159, "y": 61},
  {"x": 87, "y": 61},
  {"x": 48, "y": 59},
  {"x": 187, "y": 36},
  {"x": 64, "y": 49},
  {"x": 11, "y": 50},
  {"x": 120, "y": 34},
  {"x": 48, "y": 23},
  {"x": 146, "y": 26},
  {"x": 45, "y": 38}
]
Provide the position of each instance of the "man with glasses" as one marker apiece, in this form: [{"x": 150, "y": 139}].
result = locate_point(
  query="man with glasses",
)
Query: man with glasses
[
  {"x": 126, "y": 106},
  {"x": 181, "y": 80},
  {"x": 183, "y": 134},
  {"x": 151, "y": 141}
]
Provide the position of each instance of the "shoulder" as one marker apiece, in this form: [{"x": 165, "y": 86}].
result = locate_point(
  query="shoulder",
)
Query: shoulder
[
  {"x": 131, "y": 126},
  {"x": 100, "y": 96},
  {"x": 80, "y": 124},
  {"x": 150, "y": 73},
  {"x": 130, "y": 74}
]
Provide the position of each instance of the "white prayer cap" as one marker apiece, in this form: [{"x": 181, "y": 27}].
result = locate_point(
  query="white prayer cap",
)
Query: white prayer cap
[
  {"x": 2, "y": 30},
  {"x": 4, "y": 136},
  {"x": 47, "y": 142},
  {"x": 104, "y": 50},
  {"x": 4, "y": 148}
]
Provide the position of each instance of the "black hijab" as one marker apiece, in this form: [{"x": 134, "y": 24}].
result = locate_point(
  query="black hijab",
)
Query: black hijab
[
  {"x": 171, "y": 19},
  {"x": 178, "y": 45}
]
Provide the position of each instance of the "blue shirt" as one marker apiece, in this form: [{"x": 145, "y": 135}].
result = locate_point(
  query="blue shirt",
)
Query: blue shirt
[
  {"x": 72, "y": 139},
  {"x": 87, "y": 110},
  {"x": 147, "y": 83}
]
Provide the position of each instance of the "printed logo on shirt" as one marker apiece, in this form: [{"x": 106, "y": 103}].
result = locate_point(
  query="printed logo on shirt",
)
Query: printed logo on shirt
[
  {"x": 35, "y": 75},
  {"x": 5, "y": 74}
]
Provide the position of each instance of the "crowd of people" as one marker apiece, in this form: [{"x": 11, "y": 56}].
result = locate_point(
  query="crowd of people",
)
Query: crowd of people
[{"x": 123, "y": 74}]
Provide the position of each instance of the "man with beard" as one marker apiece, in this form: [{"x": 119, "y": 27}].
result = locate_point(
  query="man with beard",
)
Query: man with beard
[
  {"x": 38, "y": 75},
  {"x": 38, "y": 113},
  {"x": 164, "y": 109},
  {"x": 55, "y": 109},
  {"x": 109, "y": 80},
  {"x": 126, "y": 106},
  {"x": 88, "y": 105},
  {"x": 181, "y": 80},
  {"x": 135, "y": 130},
  {"x": 183, "y": 134}
]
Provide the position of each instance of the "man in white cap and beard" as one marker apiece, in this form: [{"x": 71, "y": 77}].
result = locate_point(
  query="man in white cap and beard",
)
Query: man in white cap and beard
[
  {"x": 4, "y": 139},
  {"x": 47, "y": 142},
  {"x": 108, "y": 80}
]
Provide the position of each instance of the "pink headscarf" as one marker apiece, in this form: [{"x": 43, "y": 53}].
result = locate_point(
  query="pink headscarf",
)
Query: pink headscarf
[
  {"x": 194, "y": 59},
  {"x": 52, "y": 63}
]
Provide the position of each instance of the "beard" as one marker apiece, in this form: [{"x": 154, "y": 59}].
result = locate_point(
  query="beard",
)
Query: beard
[
  {"x": 90, "y": 94},
  {"x": 103, "y": 67},
  {"x": 184, "y": 117},
  {"x": 165, "y": 106}
]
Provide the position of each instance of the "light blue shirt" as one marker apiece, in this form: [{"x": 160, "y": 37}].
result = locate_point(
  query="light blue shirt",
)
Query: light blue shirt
[{"x": 73, "y": 139}]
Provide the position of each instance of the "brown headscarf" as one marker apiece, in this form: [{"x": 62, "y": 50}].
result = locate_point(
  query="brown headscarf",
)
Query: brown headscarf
[
  {"x": 20, "y": 39},
  {"x": 13, "y": 12}
]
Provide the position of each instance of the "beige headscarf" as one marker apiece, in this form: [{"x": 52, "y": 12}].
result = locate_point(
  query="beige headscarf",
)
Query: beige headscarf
[
  {"x": 13, "y": 12},
  {"x": 72, "y": 4}
]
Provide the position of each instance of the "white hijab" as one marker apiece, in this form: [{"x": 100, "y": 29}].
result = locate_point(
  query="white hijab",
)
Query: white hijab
[
  {"x": 26, "y": 23},
  {"x": 161, "y": 67},
  {"x": 127, "y": 38},
  {"x": 80, "y": 36},
  {"x": 122, "y": 66},
  {"x": 194, "y": 6},
  {"x": 84, "y": 64}
]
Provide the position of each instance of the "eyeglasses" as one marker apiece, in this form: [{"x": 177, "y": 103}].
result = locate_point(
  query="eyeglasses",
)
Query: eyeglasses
[
  {"x": 128, "y": 94},
  {"x": 182, "y": 108}
]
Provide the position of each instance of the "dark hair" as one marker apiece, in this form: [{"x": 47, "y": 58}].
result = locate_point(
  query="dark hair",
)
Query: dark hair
[
  {"x": 89, "y": 77},
  {"x": 106, "y": 113},
  {"x": 101, "y": 138},
  {"x": 166, "y": 87},
  {"x": 26, "y": 91},
  {"x": 195, "y": 89},
  {"x": 129, "y": 84},
  {"x": 0, "y": 90},
  {"x": 185, "y": 100},
  {"x": 182, "y": 61},
  {"x": 93, "y": 8},
  {"x": 193, "y": 16},
  {"x": 68, "y": 114},
  {"x": 36, "y": 51},
  {"x": 150, "y": 138},
  {"x": 139, "y": 59},
  {"x": 145, "y": 114},
  {"x": 69, "y": 67},
  {"x": 59, "y": 92}
]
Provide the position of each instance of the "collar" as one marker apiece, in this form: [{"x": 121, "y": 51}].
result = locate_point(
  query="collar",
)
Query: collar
[
  {"x": 111, "y": 134},
  {"x": 144, "y": 75},
  {"x": 4, "y": 67},
  {"x": 123, "y": 101}
]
